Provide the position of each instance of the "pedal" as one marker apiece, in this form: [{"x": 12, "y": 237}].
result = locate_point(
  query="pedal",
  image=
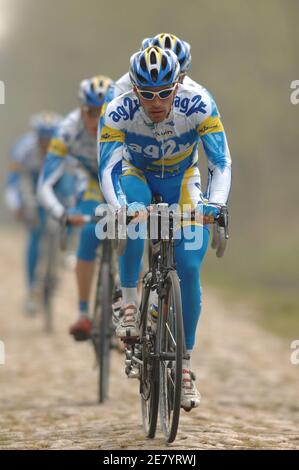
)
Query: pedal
[
  {"x": 129, "y": 340},
  {"x": 132, "y": 372}
]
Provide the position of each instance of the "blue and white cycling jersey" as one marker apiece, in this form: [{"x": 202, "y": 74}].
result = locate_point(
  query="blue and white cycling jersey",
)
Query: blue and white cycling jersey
[
  {"x": 130, "y": 141},
  {"x": 72, "y": 141},
  {"x": 25, "y": 161}
]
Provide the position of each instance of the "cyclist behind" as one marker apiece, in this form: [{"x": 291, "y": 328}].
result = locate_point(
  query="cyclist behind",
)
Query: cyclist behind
[
  {"x": 26, "y": 159},
  {"x": 153, "y": 131},
  {"x": 165, "y": 41},
  {"x": 76, "y": 138}
]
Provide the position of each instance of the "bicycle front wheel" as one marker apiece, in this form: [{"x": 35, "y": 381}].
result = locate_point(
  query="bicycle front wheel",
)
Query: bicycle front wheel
[
  {"x": 149, "y": 380},
  {"x": 170, "y": 353}
]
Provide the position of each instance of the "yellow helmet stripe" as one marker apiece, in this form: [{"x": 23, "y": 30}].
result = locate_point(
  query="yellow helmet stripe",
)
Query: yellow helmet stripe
[{"x": 158, "y": 56}]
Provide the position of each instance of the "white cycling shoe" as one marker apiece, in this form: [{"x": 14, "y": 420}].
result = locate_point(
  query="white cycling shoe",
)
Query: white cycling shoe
[
  {"x": 190, "y": 397},
  {"x": 129, "y": 325}
]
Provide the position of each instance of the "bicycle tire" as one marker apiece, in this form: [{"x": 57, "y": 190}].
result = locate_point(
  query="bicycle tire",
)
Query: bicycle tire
[
  {"x": 105, "y": 330},
  {"x": 170, "y": 371},
  {"x": 149, "y": 380}
]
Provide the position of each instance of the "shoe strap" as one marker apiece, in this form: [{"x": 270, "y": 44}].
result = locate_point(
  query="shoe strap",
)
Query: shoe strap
[
  {"x": 187, "y": 379},
  {"x": 129, "y": 314}
]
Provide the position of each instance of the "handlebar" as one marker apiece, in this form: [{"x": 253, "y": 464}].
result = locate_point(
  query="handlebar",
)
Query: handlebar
[
  {"x": 222, "y": 220},
  {"x": 220, "y": 224}
]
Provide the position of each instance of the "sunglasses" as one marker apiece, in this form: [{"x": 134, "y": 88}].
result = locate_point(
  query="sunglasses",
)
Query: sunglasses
[{"x": 162, "y": 94}]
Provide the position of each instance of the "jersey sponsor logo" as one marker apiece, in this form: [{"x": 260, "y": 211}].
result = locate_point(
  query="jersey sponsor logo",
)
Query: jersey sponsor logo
[
  {"x": 170, "y": 148},
  {"x": 126, "y": 111},
  {"x": 210, "y": 125},
  {"x": 58, "y": 148},
  {"x": 206, "y": 129},
  {"x": 166, "y": 133},
  {"x": 109, "y": 134},
  {"x": 190, "y": 106}
]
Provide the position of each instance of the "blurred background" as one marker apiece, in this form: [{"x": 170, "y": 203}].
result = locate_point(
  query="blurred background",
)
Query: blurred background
[{"x": 245, "y": 53}]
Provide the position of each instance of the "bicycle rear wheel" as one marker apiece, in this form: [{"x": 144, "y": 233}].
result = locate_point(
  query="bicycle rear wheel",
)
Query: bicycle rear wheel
[
  {"x": 149, "y": 380},
  {"x": 170, "y": 351}
]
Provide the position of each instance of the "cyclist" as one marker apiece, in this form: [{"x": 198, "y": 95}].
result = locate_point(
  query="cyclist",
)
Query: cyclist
[
  {"x": 26, "y": 159},
  {"x": 153, "y": 132},
  {"x": 183, "y": 52},
  {"x": 76, "y": 138}
]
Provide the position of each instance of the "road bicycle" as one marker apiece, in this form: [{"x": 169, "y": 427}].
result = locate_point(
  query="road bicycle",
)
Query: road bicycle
[{"x": 159, "y": 352}]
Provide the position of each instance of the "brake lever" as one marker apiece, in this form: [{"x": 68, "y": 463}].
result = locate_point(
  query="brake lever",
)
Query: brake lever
[{"x": 223, "y": 220}]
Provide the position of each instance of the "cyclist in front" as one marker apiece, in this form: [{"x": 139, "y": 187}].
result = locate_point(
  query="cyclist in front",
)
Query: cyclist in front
[
  {"x": 26, "y": 159},
  {"x": 183, "y": 52},
  {"x": 76, "y": 138},
  {"x": 153, "y": 133}
]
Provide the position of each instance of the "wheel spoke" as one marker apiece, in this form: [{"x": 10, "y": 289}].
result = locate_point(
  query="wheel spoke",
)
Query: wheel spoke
[
  {"x": 170, "y": 334},
  {"x": 170, "y": 378},
  {"x": 149, "y": 386}
]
